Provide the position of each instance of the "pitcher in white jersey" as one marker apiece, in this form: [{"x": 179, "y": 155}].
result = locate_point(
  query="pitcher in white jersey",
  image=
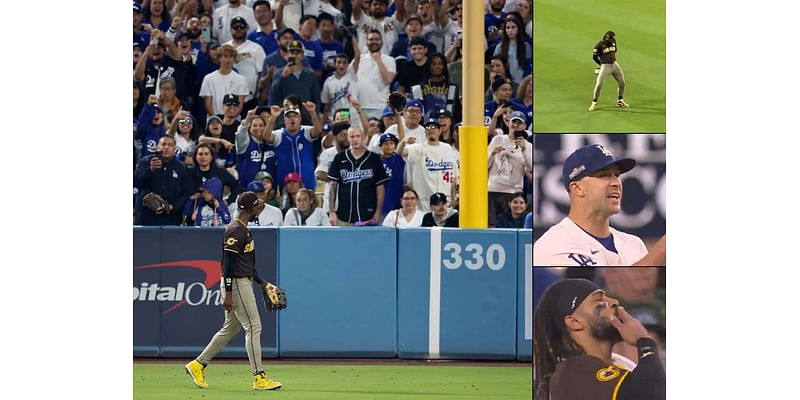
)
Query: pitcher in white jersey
[{"x": 591, "y": 176}]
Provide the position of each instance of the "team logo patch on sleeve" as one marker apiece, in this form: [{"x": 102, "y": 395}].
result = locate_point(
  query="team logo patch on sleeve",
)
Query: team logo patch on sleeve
[
  {"x": 230, "y": 242},
  {"x": 606, "y": 374}
]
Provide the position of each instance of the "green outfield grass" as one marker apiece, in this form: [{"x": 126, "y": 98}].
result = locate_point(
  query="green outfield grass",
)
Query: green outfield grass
[
  {"x": 565, "y": 33},
  {"x": 152, "y": 381}
]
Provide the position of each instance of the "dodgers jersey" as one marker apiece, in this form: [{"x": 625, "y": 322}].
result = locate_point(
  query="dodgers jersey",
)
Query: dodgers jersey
[{"x": 566, "y": 244}]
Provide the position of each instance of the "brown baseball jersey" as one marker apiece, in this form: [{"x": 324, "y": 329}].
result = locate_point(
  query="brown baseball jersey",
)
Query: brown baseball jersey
[
  {"x": 586, "y": 378},
  {"x": 606, "y": 52},
  {"x": 239, "y": 241}
]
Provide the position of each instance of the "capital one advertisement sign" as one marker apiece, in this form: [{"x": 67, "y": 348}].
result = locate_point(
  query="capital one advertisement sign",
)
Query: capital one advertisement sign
[
  {"x": 177, "y": 302},
  {"x": 644, "y": 206}
]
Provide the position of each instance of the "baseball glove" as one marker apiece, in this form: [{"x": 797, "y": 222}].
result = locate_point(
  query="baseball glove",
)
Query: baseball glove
[
  {"x": 274, "y": 298},
  {"x": 155, "y": 202}
]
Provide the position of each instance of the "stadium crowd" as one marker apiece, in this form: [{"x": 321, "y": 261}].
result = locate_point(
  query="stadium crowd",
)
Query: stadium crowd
[{"x": 267, "y": 96}]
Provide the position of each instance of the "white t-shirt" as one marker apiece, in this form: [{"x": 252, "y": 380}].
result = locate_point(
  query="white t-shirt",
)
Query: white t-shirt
[
  {"x": 335, "y": 91},
  {"x": 388, "y": 27},
  {"x": 398, "y": 219},
  {"x": 375, "y": 141},
  {"x": 451, "y": 32},
  {"x": 218, "y": 85},
  {"x": 430, "y": 169},
  {"x": 316, "y": 7},
  {"x": 372, "y": 91},
  {"x": 435, "y": 36},
  {"x": 317, "y": 218},
  {"x": 507, "y": 168},
  {"x": 566, "y": 244},
  {"x": 222, "y": 21},
  {"x": 249, "y": 63},
  {"x": 325, "y": 160}
]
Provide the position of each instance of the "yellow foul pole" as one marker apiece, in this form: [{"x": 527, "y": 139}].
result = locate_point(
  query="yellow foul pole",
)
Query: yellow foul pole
[{"x": 473, "y": 196}]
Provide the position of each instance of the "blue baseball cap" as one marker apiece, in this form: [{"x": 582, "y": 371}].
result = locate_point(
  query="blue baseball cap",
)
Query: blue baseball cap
[
  {"x": 517, "y": 115},
  {"x": 432, "y": 121},
  {"x": 386, "y": 137},
  {"x": 255, "y": 186},
  {"x": 590, "y": 159},
  {"x": 387, "y": 112},
  {"x": 415, "y": 103}
]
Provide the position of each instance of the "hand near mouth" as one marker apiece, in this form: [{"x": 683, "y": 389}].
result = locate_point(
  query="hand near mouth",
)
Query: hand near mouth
[{"x": 629, "y": 328}]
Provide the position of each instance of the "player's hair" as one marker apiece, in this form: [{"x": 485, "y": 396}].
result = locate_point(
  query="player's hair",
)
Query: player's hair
[
  {"x": 227, "y": 50},
  {"x": 520, "y": 40},
  {"x": 371, "y": 31},
  {"x": 520, "y": 195},
  {"x": 551, "y": 344}
]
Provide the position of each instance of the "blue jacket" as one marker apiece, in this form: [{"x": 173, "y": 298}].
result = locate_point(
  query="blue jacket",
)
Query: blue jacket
[
  {"x": 147, "y": 132},
  {"x": 221, "y": 214}
]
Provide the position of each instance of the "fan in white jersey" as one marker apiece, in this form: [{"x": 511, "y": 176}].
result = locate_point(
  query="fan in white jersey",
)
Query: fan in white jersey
[
  {"x": 591, "y": 175},
  {"x": 430, "y": 165}
]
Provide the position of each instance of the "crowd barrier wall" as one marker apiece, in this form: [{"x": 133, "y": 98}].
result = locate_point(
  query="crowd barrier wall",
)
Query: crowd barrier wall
[{"x": 352, "y": 292}]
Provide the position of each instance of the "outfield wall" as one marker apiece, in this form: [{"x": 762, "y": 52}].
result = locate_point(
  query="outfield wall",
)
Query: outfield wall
[{"x": 352, "y": 292}]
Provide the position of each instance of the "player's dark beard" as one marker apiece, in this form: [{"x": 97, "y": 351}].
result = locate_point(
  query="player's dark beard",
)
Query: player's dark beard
[
  {"x": 194, "y": 33},
  {"x": 497, "y": 7},
  {"x": 603, "y": 330},
  {"x": 284, "y": 49}
]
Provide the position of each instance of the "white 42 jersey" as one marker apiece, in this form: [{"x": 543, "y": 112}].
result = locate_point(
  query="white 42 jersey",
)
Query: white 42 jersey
[{"x": 566, "y": 244}]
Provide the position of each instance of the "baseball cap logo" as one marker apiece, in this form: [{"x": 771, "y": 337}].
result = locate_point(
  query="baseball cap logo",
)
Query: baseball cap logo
[
  {"x": 604, "y": 151},
  {"x": 576, "y": 171}
]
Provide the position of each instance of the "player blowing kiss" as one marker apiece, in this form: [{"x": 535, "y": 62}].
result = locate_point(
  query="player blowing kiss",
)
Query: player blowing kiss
[
  {"x": 574, "y": 328},
  {"x": 591, "y": 176}
]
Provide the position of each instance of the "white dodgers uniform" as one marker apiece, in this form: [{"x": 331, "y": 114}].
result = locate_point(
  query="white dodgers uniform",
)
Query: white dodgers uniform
[{"x": 566, "y": 244}]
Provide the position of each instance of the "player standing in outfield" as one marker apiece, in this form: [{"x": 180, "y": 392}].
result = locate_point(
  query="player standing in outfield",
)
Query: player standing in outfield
[
  {"x": 575, "y": 326},
  {"x": 605, "y": 54},
  {"x": 591, "y": 176},
  {"x": 239, "y": 301}
]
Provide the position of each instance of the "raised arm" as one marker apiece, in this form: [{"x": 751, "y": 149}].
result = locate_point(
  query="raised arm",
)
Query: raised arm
[
  {"x": 279, "y": 14},
  {"x": 274, "y": 112},
  {"x": 357, "y": 12},
  {"x": 141, "y": 65},
  {"x": 316, "y": 129},
  {"x": 441, "y": 12}
]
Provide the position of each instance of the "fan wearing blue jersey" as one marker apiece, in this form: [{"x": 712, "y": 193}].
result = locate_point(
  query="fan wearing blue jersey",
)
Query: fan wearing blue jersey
[{"x": 294, "y": 145}]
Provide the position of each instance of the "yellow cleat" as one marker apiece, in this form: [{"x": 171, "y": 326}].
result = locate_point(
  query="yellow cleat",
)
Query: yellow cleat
[
  {"x": 197, "y": 371},
  {"x": 593, "y": 107},
  {"x": 261, "y": 382}
]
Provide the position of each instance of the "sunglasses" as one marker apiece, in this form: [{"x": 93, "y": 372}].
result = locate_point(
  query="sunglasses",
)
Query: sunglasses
[
  {"x": 237, "y": 26},
  {"x": 185, "y": 121}
]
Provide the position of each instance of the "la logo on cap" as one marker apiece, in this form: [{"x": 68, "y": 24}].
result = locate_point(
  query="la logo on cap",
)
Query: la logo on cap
[{"x": 605, "y": 152}]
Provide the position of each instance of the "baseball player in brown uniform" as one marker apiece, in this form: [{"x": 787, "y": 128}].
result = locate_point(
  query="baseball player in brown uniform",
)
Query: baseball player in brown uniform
[
  {"x": 239, "y": 301},
  {"x": 605, "y": 54},
  {"x": 575, "y": 326}
]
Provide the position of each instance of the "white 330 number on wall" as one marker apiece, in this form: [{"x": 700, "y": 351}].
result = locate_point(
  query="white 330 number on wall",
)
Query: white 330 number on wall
[{"x": 473, "y": 256}]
